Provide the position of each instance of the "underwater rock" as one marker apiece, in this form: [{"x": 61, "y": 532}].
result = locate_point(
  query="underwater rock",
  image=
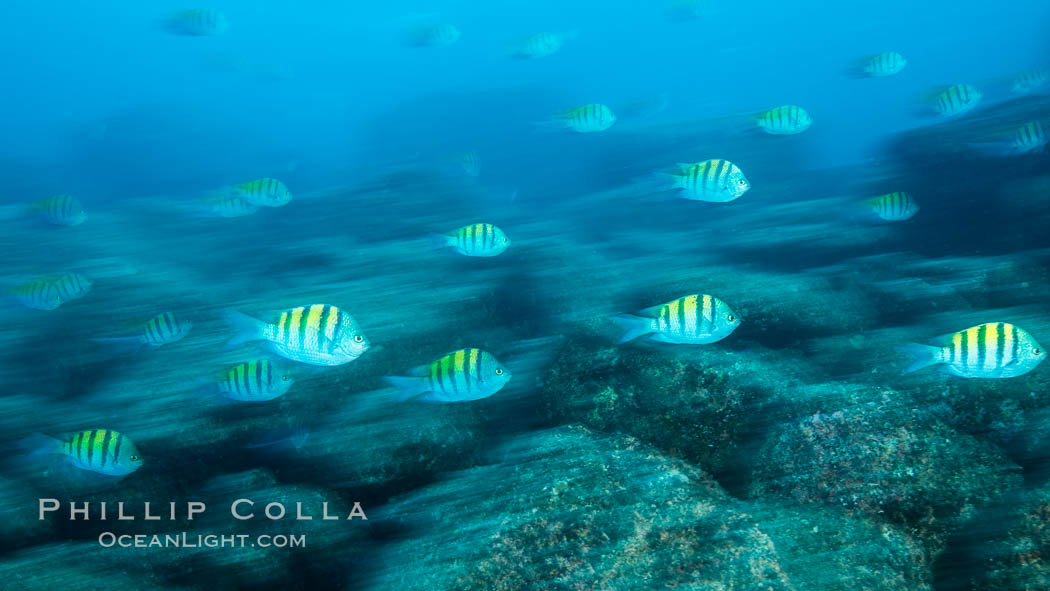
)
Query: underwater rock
[
  {"x": 1018, "y": 556},
  {"x": 19, "y": 526},
  {"x": 876, "y": 459},
  {"x": 76, "y": 566},
  {"x": 676, "y": 403},
  {"x": 568, "y": 509}
]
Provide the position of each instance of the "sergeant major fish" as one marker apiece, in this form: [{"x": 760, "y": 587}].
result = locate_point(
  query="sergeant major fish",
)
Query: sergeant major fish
[
  {"x": 460, "y": 376},
  {"x": 254, "y": 381},
  {"x": 541, "y": 44},
  {"x": 60, "y": 210},
  {"x": 264, "y": 192},
  {"x": 894, "y": 207},
  {"x": 441, "y": 35},
  {"x": 883, "y": 64},
  {"x": 162, "y": 329},
  {"x": 474, "y": 240},
  {"x": 713, "y": 180},
  {"x": 318, "y": 334},
  {"x": 197, "y": 22},
  {"x": 992, "y": 350},
  {"x": 690, "y": 320},
  {"x": 37, "y": 295},
  {"x": 956, "y": 100},
  {"x": 1030, "y": 81},
  {"x": 785, "y": 120},
  {"x": 98, "y": 450},
  {"x": 588, "y": 118}
]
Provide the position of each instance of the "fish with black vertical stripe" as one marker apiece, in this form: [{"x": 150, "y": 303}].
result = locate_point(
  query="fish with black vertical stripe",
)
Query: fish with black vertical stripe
[
  {"x": 474, "y": 240},
  {"x": 955, "y": 100},
  {"x": 197, "y": 22},
  {"x": 97, "y": 450},
  {"x": 784, "y": 120},
  {"x": 588, "y": 118},
  {"x": 894, "y": 207},
  {"x": 162, "y": 329},
  {"x": 317, "y": 334},
  {"x": 60, "y": 210},
  {"x": 690, "y": 320},
  {"x": 715, "y": 180},
  {"x": 993, "y": 350},
  {"x": 265, "y": 192},
  {"x": 460, "y": 376},
  {"x": 254, "y": 381}
]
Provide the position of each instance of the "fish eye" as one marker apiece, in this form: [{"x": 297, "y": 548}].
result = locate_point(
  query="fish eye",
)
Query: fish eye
[
  {"x": 284, "y": 378},
  {"x": 1037, "y": 351},
  {"x": 731, "y": 318},
  {"x": 359, "y": 339},
  {"x": 134, "y": 458},
  {"x": 499, "y": 371}
]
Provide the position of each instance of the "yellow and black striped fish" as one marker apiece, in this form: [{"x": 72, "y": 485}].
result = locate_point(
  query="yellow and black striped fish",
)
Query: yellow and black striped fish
[
  {"x": 714, "y": 180},
  {"x": 884, "y": 64},
  {"x": 61, "y": 210},
  {"x": 475, "y": 240},
  {"x": 264, "y": 192},
  {"x": 318, "y": 334},
  {"x": 254, "y": 381},
  {"x": 99, "y": 450},
  {"x": 38, "y": 295},
  {"x": 894, "y": 207},
  {"x": 1030, "y": 137},
  {"x": 162, "y": 329},
  {"x": 956, "y": 100},
  {"x": 785, "y": 120},
  {"x": 1029, "y": 81},
  {"x": 993, "y": 350},
  {"x": 71, "y": 286},
  {"x": 588, "y": 118},
  {"x": 690, "y": 320},
  {"x": 197, "y": 22},
  {"x": 466, "y": 374}
]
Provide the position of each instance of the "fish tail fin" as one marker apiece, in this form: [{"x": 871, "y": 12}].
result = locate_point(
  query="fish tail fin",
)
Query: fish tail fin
[
  {"x": 438, "y": 241},
  {"x": 39, "y": 444},
  {"x": 246, "y": 328},
  {"x": 923, "y": 356},
  {"x": 406, "y": 386},
  {"x": 633, "y": 327}
]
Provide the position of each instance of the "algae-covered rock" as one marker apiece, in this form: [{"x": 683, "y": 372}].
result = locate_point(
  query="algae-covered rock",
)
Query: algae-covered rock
[
  {"x": 678, "y": 404},
  {"x": 571, "y": 509},
  {"x": 1017, "y": 555},
  {"x": 881, "y": 460}
]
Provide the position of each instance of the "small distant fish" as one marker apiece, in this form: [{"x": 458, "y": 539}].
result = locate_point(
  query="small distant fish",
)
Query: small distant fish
[
  {"x": 883, "y": 64},
  {"x": 229, "y": 206},
  {"x": 785, "y": 120},
  {"x": 38, "y": 295},
  {"x": 265, "y": 192},
  {"x": 1030, "y": 137},
  {"x": 714, "y": 180},
  {"x": 1030, "y": 81},
  {"x": 197, "y": 22},
  {"x": 460, "y": 376},
  {"x": 61, "y": 210},
  {"x": 470, "y": 162},
  {"x": 956, "y": 100},
  {"x": 293, "y": 434},
  {"x": 475, "y": 240},
  {"x": 894, "y": 207},
  {"x": 587, "y": 118},
  {"x": 441, "y": 35},
  {"x": 541, "y": 44},
  {"x": 690, "y": 320},
  {"x": 993, "y": 350},
  {"x": 97, "y": 450},
  {"x": 254, "y": 381},
  {"x": 163, "y": 329},
  {"x": 318, "y": 334}
]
